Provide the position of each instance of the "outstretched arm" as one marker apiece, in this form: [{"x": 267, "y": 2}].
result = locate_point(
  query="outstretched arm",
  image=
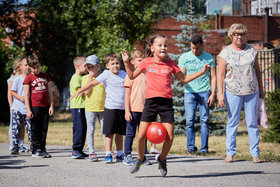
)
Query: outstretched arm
[
  {"x": 187, "y": 78},
  {"x": 84, "y": 88},
  {"x": 128, "y": 68}
]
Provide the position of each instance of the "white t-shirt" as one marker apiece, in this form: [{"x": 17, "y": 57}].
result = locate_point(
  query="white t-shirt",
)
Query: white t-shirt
[
  {"x": 18, "y": 87},
  {"x": 114, "y": 88}
]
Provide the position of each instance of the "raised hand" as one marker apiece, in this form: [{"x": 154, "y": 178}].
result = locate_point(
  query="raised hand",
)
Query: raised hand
[{"x": 125, "y": 56}]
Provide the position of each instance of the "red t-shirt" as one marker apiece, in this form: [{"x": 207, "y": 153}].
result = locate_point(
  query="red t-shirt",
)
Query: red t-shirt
[
  {"x": 158, "y": 77},
  {"x": 38, "y": 89}
]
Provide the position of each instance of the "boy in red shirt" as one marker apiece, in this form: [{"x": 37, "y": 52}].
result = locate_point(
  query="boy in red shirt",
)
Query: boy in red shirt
[{"x": 39, "y": 104}]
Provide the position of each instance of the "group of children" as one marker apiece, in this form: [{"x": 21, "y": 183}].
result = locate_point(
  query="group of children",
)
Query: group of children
[
  {"x": 137, "y": 96},
  {"x": 120, "y": 100},
  {"x": 30, "y": 95}
]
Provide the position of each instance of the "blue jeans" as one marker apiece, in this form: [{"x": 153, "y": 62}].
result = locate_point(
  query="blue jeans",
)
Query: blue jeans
[
  {"x": 79, "y": 128},
  {"x": 234, "y": 105},
  {"x": 192, "y": 100},
  {"x": 131, "y": 128}
]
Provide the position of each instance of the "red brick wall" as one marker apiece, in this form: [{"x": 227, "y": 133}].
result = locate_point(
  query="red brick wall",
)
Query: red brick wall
[{"x": 215, "y": 42}]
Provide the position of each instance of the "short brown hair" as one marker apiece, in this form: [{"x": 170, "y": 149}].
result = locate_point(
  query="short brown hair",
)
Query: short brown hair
[
  {"x": 112, "y": 56},
  {"x": 136, "y": 53},
  {"x": 33, "y": 60}
]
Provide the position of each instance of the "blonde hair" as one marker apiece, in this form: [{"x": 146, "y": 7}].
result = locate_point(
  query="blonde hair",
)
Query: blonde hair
[
  {"x": 237, "y": 28},
  {"x": 136, "y": 54},
  {"x": 112, "y": 56},
  {"x": 16, "y": 64},
  {"x": 79, "y": 60}
]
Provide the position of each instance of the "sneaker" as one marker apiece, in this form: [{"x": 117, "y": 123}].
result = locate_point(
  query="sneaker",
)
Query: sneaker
[
  {"x": 76, "y": 155},
  {"x": 38, "y": 154},
  {"x": 162, "y": 167},
  {"x": 128, "y": 160},
  {"x": 46, "y": 154},
  {"x": 23, "y": 149},
  {"x": 84, "y": 155},
  {"x": 191, "y": 152},
  {"x": 136, "y": 166},
  {"x": 14, "y": 151},
  {"x": 148, "y": 162},
  {"x": 154, "y": 151},
  {"x": 92, "y": 157},
  {"x": 114, "y": 155},
  {"x": 108, "y": 159},
  {"x": 119, "y": 158}
]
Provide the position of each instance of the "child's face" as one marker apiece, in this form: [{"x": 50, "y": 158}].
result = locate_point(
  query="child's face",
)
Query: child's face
[
  {"x": 114, "y": 66},
  {"x": 82, "y": 67},
  {"x": 35, "y": 69},
  {"x": 136, "y": 61},
  {"x": 92, "y": 68},
  {"x": 24, "y": 67},
  {"x": 159, "y": 47}
]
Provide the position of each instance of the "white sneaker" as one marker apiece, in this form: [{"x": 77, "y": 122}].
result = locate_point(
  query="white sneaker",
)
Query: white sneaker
[
  {"x": 148, "y": 162},
  {"x": 154, "y": 151}
]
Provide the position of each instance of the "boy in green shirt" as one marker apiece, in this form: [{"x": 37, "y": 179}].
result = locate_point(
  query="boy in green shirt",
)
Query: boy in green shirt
[{"x": 77, "y": 107}]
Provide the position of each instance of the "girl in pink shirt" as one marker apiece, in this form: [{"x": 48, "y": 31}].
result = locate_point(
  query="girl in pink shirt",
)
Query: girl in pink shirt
[{"x": 159, "y": 70}]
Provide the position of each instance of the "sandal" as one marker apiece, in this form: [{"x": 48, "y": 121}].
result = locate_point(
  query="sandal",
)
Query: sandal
[
  {"x": 229, "y": 159},
  {"x": 256, "y": 159}
]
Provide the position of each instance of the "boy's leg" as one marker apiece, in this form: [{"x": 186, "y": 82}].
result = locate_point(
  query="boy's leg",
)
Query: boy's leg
[
  {"x": 10, "y": 131},
  {"x": 91, "y": 119},
  {"x": 119, "y": 141},
  {"x": 16, "y": 124},
  {"x": 204, "y": 117},
  {"x": 21, "y": 135},
  {"x": 45, "y": 125},
  {"x": 79, "y": 129},
  {"x": 28, "y": 130},
  {"x": 108, "y": 142},
  {"x": 100, "y": 116},
  {"x": 35, "y": 129},
  {"x": 131, "y": 131},
  {"x": 168, "y": 141},
  {"x": 190, "y": 109}
]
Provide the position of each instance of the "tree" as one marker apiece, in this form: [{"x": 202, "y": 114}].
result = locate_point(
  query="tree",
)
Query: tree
[
  {"x": 175, "y": 7},
  {"x": 190, "y": 26},
  {"x": 273, "y": 111}
]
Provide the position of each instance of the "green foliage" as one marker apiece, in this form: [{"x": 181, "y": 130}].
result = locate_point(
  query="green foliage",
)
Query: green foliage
[
  {"x": 273, "y": 111},
  {"x": 174, "y": 7},
  {"x": 7, "y": 55}
]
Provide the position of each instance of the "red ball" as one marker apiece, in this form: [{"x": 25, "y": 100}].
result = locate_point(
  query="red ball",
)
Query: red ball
[{"x": 156, "y": 133}]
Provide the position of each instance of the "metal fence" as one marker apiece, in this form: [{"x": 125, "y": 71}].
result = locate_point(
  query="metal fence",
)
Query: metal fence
[{"x": 266, "y": 59}]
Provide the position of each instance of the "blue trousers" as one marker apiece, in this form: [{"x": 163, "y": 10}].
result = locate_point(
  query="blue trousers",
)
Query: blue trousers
[
  {"x": 79, "y": 128},
  {"x": 131, "y": 128},
  {"x": 192, "y": 100},
  {"x": 234, "y": 105}
]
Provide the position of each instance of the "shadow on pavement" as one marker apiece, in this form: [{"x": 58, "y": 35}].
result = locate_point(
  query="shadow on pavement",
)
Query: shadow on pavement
[{"x": 209, "y": 175}]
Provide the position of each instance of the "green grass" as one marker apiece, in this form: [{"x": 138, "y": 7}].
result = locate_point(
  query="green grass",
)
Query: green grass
[{"x": 60, "y": 133}]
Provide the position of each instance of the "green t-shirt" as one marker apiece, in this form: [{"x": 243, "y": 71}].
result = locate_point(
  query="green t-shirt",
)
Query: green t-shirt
[
  {"x": 75, "y": 83},
  {"x": 194, "y": 64}
]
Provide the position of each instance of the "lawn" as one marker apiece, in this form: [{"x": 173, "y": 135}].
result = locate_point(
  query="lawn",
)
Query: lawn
[{"x": 60, "y": 133}]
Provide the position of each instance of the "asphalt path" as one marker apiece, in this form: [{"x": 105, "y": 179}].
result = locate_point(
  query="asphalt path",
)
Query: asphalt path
[{"x": 61, "y": 170}]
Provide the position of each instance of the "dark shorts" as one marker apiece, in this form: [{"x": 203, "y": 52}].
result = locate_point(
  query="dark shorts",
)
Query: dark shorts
[
  {"x": 114, "y": 121},
  {"x": 158, "y": 106}
]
